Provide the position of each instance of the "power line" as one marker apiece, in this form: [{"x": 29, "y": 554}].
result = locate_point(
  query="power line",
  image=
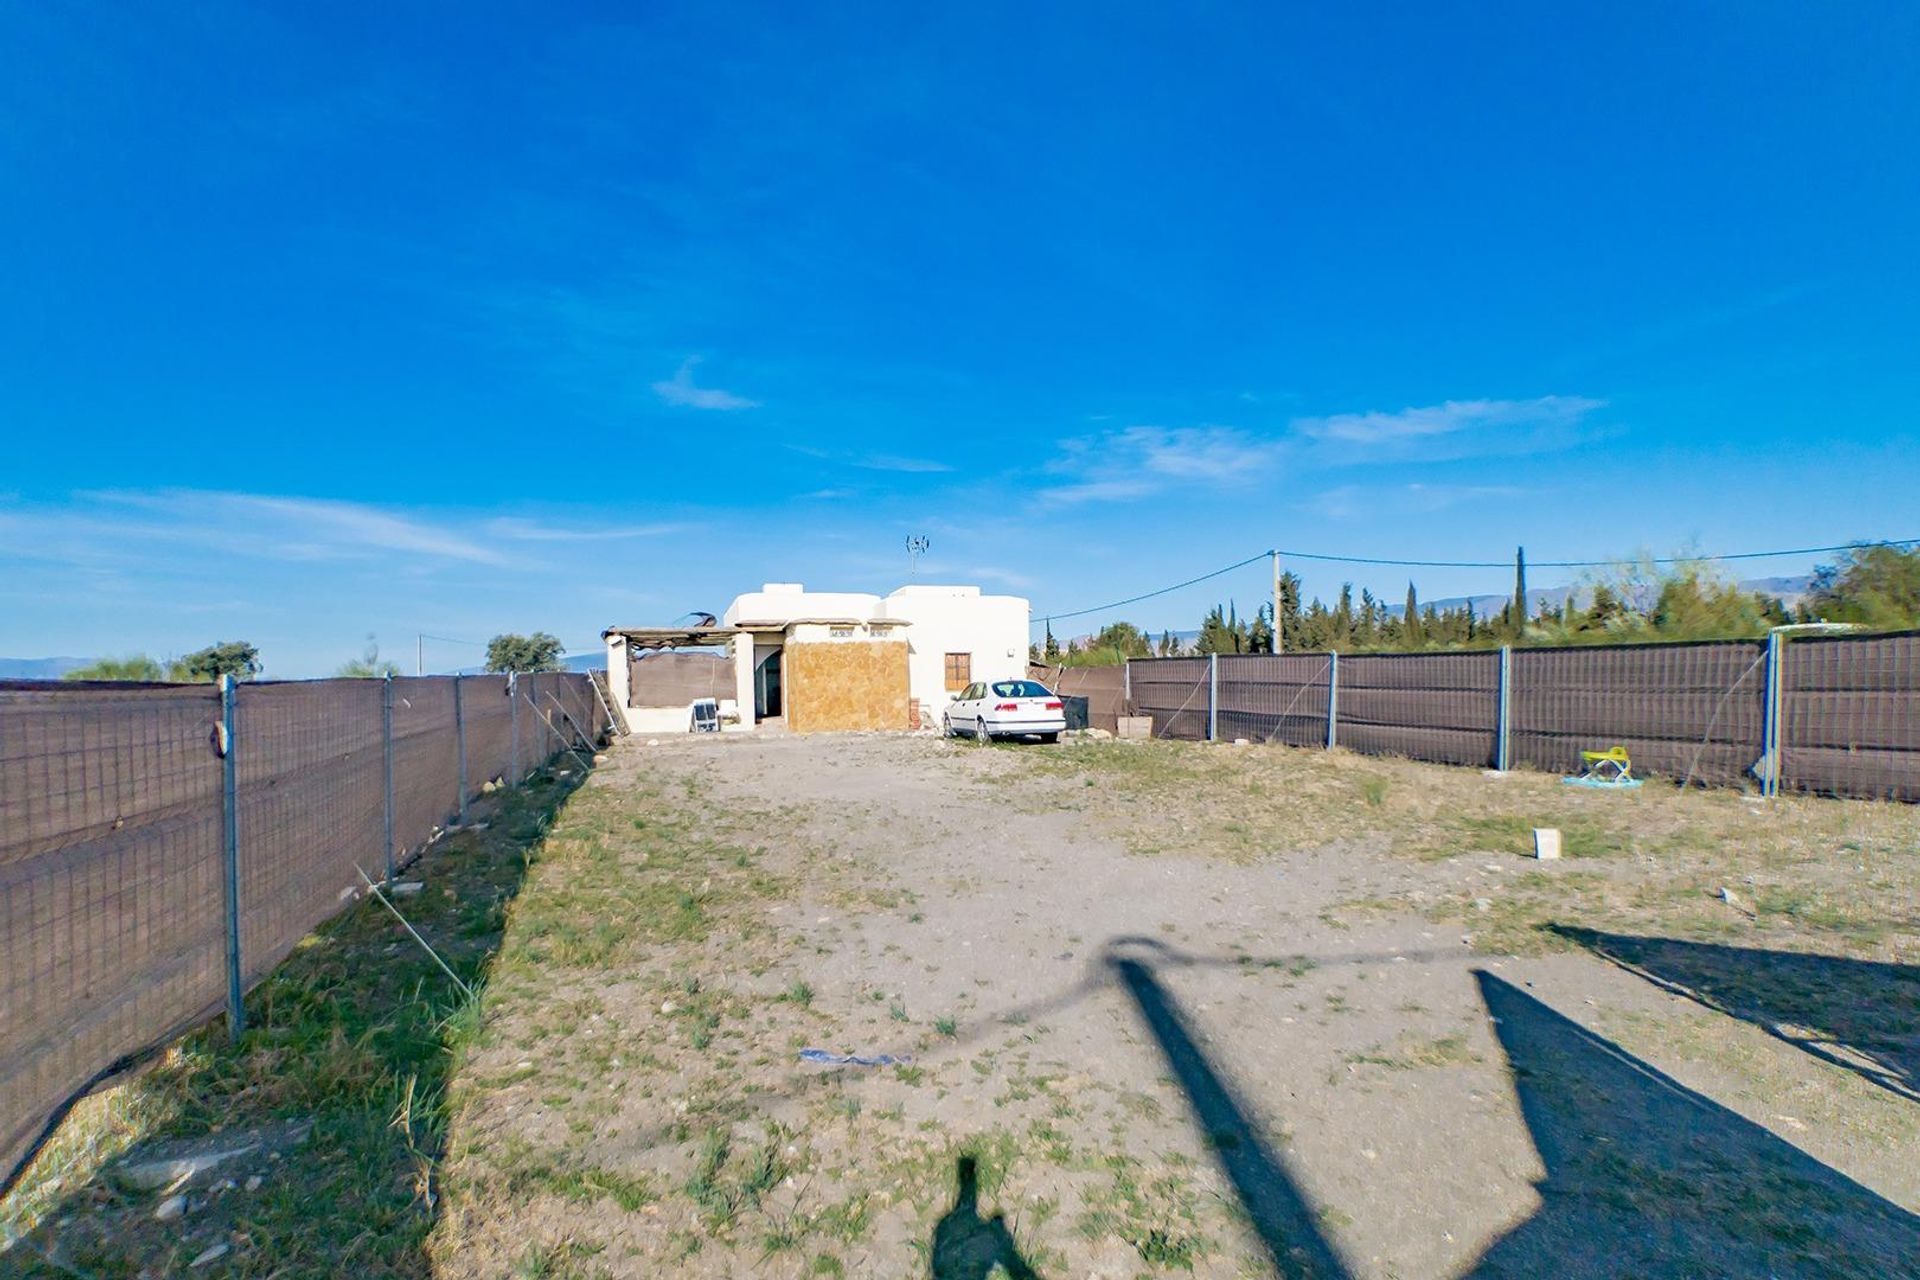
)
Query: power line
[
  {"x": 1470, "y": 564},
  {"x": 1591, "y": 564},
  {"x": 1101, "y": 608}
]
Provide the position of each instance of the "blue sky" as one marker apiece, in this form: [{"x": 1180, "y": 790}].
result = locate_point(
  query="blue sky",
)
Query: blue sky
[{"x": 319, "y": 322}]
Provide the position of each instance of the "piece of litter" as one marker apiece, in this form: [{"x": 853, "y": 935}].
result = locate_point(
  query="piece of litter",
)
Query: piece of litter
[
  {"x": 824, "y": 1058},
  {"x": 1546, "y": 843}
]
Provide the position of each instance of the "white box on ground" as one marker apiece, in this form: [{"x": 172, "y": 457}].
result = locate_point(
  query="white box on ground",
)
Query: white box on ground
[{"x": 1546, "y": 843}]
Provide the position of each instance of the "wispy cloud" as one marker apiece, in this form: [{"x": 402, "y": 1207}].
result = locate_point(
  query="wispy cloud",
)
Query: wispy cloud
[
  {"x": 523, "y": 530},
  {"x": 874, "y": 461},
  {"x": 1135, "y": 462},
  {"x": 680, "y": 390},
  {"x": 893, "y": 462},
  {"x": 298, "y": 528},
  {"x": 1453, "y": 418},
  {"x": 1005, "y": 577},
  {"x": 1354, "y": 501},
  {"x": 1676, "y": 330},
  {"x": 1142, "y": 461}
]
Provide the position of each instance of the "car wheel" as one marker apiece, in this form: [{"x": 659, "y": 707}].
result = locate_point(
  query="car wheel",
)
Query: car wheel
[
  {"x": 1049, "y": 737},
  {"x": 980, "y": 733},
  {"x": 946, "y": 727}
]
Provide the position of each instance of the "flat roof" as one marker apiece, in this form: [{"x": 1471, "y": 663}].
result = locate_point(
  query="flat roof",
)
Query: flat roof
[{"x": 781, "y": 624}]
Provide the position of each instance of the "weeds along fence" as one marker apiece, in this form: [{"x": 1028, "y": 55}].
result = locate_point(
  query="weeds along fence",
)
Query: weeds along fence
[
  {"x": 163, "y": 847},
  {"x": 1831, "y": 715}
]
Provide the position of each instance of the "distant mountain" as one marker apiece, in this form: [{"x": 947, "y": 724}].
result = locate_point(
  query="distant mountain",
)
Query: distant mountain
[{"x": 39, "y": 668}]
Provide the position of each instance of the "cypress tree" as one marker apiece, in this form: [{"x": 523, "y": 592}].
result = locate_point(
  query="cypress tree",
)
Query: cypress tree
[
  {"x": 1518, "y": 618},
  {"x": 1410, "y": 620}
]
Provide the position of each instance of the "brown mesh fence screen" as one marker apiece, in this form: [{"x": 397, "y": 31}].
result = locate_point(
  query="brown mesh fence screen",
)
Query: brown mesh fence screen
[
  {"x": 1430, "y": 706},
  {"x": 1275, "y": 698},
  {"x": 1688, "y": 711},
  {"x": 426, "y": 765},
  {"x": 1174, "y": 692},
  {"x": 112, "y": 930},
  {"x": 659, "y": 679},
  {"x": 488, "y": 716},
  {"x": 1850, "y": 707},
  {"x": 112, "y": 844},
  {"x": 1104, "y": 688},
  {"x": 310, "y": 769},
  {"x": 1850, "y": 722}
]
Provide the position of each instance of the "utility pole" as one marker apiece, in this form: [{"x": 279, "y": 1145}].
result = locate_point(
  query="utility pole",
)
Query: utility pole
[
  {"x": 1278, "y": 644},
  {"x": 419, "y": 655}
]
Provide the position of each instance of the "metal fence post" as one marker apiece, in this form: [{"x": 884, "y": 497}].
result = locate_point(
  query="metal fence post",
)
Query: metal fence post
[
  {"x": 513, "y": 711},
  {"x": 460, "y": 746},
  {"x": 1770, "y": 717},
  {"x": 1333, "y": 700},
  {"x": 1126, "y": 687},
  {"x": 1213, "y": 697},
  {"x": 1504, "y": 727},
  {"x": 386, "y": 736},
  {"x": 230, "y": 824}
]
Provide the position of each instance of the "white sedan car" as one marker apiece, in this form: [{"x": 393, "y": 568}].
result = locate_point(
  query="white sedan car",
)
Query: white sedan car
[{"x": 990, "y": 709}]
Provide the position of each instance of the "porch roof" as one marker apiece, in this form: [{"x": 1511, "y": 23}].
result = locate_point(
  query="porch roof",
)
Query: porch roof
[{"x": 669, "y": 637}]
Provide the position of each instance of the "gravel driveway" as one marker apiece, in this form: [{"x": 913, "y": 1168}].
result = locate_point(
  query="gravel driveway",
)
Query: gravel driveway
[{"x": 1162, "y": 1009}]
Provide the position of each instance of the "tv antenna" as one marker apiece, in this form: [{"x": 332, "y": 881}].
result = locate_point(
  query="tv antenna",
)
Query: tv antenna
[{"x": 917, "y": 544}]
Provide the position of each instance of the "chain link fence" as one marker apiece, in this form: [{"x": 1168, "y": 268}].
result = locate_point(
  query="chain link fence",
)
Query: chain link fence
[
  {"x": 1836, "y": 716},
  {"x": 117, "y": 928}
]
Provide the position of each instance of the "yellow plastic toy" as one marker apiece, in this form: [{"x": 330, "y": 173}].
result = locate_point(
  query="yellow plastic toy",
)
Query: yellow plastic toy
[{"x": 1608, "y": 770}]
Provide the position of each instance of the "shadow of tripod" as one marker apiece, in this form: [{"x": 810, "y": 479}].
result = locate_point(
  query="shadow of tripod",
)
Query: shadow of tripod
[{"x": 967, "y": 1246}]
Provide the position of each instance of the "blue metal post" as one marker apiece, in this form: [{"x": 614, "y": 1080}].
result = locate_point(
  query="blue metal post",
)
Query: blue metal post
[
  {"x": 1333, "y": 700},
  {"x": 1504, "y": 728},
  {"x": 1213, "y": 697},
  {"x": 386, "y": 737},
  {"x": 230, "y": 832},
  {"x": 460, "y": 736},
  {"x": 1770, "y": 726},
  {"x": 513, "y": 705}
]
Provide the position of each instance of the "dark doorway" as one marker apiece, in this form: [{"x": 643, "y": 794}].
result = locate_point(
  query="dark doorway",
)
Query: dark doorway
[{"x": 766, "y": 687}]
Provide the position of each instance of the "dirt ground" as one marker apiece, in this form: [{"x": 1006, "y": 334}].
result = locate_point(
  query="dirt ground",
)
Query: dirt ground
[{"x": 1169, "y": 1009}]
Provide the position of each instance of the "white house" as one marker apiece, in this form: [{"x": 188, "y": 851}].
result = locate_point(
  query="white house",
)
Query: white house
[{"x": 823, "y": 660}]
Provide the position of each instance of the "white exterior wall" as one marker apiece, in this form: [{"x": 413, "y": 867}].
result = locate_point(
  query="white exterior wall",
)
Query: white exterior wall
[
  {"x": 619, "y": 678},
  {"x": 992, "y": 629},
  {"x": 676, "y": 719}
]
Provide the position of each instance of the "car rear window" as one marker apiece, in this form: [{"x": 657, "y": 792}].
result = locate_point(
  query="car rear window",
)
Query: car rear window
[{"x": 1020, "y": 689}]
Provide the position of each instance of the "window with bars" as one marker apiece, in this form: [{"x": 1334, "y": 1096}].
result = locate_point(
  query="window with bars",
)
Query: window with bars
[{"x": 959, "y": 671}]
